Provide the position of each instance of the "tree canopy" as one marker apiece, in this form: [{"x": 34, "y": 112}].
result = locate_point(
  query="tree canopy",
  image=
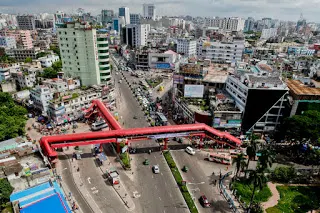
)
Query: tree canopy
[
  {"x": 55, "y": 49},
  {"x": 7, "y": 59},
  {"x": 28, "y": 60},
  {"x": 12, "y": 118},
  {"x": 5, "y": 191},
  {"x": 305, "y": 126},
  {"x": 42, "y": 54},
  {"x": 52, "y": 72}
]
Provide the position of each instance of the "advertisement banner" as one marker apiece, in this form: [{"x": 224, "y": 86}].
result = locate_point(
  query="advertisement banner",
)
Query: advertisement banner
[
  {"x": 178, "y": 79},
  {"x": 193, "y": 91},
  {"x": 163, "y": 66}
]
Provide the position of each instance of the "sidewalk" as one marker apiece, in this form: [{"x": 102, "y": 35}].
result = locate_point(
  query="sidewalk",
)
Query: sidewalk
[{"x": 78, "y": 182}]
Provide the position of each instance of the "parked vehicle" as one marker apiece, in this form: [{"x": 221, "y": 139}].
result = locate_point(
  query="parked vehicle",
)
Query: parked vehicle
[
  {"x": 156, "y": 169},
  {"x": 204, "y": 201},
  {"x": 98, "y": 125},
  {"x": 220, "y": 158},
  {"x": 190, "y": 151}
]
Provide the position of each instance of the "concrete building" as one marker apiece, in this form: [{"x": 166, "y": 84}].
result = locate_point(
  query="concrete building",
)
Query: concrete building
[
  {"x": 84, "y": 53},
  {"x": 135, "y": 35},
  {"x": 117, "y": 24},
  {"x": 216, "y": 51},
  {"x": 187, "y": 47},
  {"x": 22, "y": 54},
  {"x": 124, "y": 12},
  {"x": 269, "y": 33},
  {"x": 106, "y": 16},
  {"x": 26, "y": 22},
  {"x": 228, "y": 24},
  {"x": 48, "y": 60},
  {"x": 61, "y": 85},
  {"x": 260, "y": 94},
  {"x": 23, "y": 37},
  {"x": 248, "y": 24},
  {"x": 166, "y": 60},
  {"x": 8, "y": 42},
  {"x": 40, "y": 96},
  {"x": 26, "y": 77},
  {"x": 149, "y": 11},
  {"x": 134, "y": 18}
]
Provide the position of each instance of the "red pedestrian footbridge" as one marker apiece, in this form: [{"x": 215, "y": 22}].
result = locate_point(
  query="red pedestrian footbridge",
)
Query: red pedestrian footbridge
[{"x": 117, "y": 133}]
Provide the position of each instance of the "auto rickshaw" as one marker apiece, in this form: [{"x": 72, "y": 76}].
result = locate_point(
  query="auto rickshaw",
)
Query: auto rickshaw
[
  {"x": 146, "y": 162},
  {"x": 185, "y": 169}
]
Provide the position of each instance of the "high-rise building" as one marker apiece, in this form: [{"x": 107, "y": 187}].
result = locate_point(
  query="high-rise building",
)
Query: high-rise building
[
  {"x": 187, "y": 47},
  {"x": 149, "y": 11},
  {"x": 118, "y": 23},
  {"x": 84, "y": 53},
  {"x": 221, "y": 52},
  {"x": 124, "y": 12},
  {"x": 135, "y": 35},
  {"x": 230, "y": 24},
  {"x": 134, "y": 18},
  {"x": 26, "y": 22},
  {"x": 269, "y": 33},
  {"x": 267, "y": 22},
  {"x": 106, "y": 16},
  {"x": 301, "y": 23},
  {"x": 248, "y": 24}
]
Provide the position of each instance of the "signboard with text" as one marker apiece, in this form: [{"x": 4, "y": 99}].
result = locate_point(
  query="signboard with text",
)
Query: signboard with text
[{"x": 193, "y": 91}]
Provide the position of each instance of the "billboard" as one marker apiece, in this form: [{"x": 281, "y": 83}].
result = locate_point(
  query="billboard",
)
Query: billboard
[
  {"x": 163, "y": 65},
  {"x": 178, "y": 79},
  {"x": 193, "y": 91}
]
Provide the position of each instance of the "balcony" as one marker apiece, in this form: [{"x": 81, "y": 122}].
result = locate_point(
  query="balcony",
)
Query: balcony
[
  {"x": 104, "y": 66},
  {"x": 103, "y": 53}
]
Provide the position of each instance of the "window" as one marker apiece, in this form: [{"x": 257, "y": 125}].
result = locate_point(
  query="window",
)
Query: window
[
  {"x": 75, "y": 39},
  {"x": 59, "y": 33},
  {"x": 69, "y": 62},
  {"x": 67, "y": 45},
  {"x": 65, "y": 33},
  {"x": 78, "y": 69},
  {"x": 66, "y": 39},
  {"x": 74, "y": 33},
  {"x": 60, "y": 39}
]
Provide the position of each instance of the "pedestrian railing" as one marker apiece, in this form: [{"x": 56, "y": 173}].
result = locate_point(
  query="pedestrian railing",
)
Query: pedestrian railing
[{"x": 227, "y": 196}]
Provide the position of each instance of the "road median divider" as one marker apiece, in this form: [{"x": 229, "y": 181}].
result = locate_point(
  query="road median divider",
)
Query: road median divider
[{"x": 183, "y": 188}]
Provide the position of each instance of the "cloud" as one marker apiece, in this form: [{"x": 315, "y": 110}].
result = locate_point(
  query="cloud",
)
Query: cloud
[{"x": 280, "y": 9}]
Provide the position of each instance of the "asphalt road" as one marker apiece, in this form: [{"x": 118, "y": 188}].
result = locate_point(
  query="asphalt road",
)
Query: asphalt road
[
  {"x": 98, "y": 187},
  {"x": 68, "y": 179},
  {"x": 159, "y": 192},
  {"x": 199, "y": 182}
]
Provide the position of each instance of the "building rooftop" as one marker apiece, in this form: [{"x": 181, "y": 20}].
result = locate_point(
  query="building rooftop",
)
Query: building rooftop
[
  {"x": 301, "y": 89},
  {"x": 218, "y": 73}
]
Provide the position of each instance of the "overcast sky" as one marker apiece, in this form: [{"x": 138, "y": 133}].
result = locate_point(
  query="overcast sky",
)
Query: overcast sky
[{"x": 277, "y": 9}]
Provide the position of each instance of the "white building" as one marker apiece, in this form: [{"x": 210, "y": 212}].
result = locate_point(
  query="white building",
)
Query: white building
[
  {"x": 269, "y": 33},
  {"x": 225, "y": 52},
  {"x": 229, "y": 24},
  {"x": 84, "y": 54},
  {"x": 61, "y": 85},
  {"x": 149, "y": 11},
  {"x": 166, "y": 60},
  {"x": 40, "y": 96},
  {"x": 186, "y": 47},
  {"x": 124, "y": 12},
  {"x": 8, "y": 42},
  {"x": 26, "y": 77},
  {"x": 48, "y": 60},
  {"x": 135, "y": 35}
]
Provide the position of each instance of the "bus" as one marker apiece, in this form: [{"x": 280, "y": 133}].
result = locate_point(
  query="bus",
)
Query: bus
[
  {"x": 161, "y": 119},
  {"x": 235, "y": 153},
  {"x": 220, "y": 158},
  {"x": 98, "y": 125}
]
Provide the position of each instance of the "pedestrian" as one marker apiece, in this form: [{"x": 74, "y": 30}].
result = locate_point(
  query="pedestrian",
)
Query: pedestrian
[{"x": 215, "y": 182}]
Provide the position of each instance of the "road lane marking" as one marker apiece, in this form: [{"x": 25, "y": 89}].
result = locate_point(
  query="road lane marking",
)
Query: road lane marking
[
  {"x": 161, "y": 173},
  {"x": 93, "y": 188},
  {"x": 159, "y": 198},
  {"x": 89, "y": 180}
]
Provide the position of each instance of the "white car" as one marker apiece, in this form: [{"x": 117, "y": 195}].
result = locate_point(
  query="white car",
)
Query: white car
[
  {"x": 190, "y": 151},
  {"x": 155, "y": 169}
]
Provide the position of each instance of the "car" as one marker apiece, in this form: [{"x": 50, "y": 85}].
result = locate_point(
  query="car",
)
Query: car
[
  {"x": 155, "y": 169},
  {"x": 120, "y": 81},
  {"x": 190, "y": 151},
  {"x": 204, "y": 201},
  {"x": 78, "y": 156}
]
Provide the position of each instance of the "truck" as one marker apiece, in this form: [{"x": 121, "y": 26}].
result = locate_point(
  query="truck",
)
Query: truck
[{"x": 113, "y": 177}]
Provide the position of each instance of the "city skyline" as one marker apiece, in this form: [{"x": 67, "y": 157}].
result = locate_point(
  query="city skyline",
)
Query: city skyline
[{"x": 283, "y": 10}]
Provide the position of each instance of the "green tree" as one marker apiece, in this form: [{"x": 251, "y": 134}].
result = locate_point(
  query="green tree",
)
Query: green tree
[
  {"x": 258, "y": 179},
  {"x": 252, "y": 148},
  {"x": 55, "y": 49},
  {"x": 239, "y": 161},
  {"x": 49, "y": 72},
  {"x": 12, "y": 117},
  {"x": 302, "y": 126},
  {"x": 57, "y": 66},
  {"x": 42, "y": 54},
  {"x": 5, "y": 190},
  {"x": 266, "y": 159},
  {"x": 28, "y": 60}
]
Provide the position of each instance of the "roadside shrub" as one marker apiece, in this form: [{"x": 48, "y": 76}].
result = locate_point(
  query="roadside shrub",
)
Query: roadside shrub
[
  {"x": 283, "y": 174},
  {"x": 184, "y": 189}
]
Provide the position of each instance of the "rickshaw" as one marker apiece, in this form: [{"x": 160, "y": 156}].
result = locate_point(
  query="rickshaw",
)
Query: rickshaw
[
  {"x": 146, "y": 162},
  {"x": 185, "y": 169}
]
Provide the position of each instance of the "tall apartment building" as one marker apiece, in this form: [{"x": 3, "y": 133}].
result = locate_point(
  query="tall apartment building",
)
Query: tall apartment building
[
  {"x": 134, "y": 18},
  {"x": 149, "y": 11},
  {"x": 124, "y": 12},
  {"x": 261, "y": 95},
  {"x": 106, "y": 16},
  {"x": 135, "y": 35},
  {"x": 8, "y": 42},
  {"x": 229, "y": 24},
  {"x": 84, "y": 53},
  {"x": 26, "y": 22},
  {"x": 23, "y": 37},
  {"x": 40, "y": 96},
  {"x": 186, "y": 47},
  {"x": 216, "y": 51},
  {"x": 22, "y": 54},
  {"x": 269, "y": 33},
  {"x": 248, "y": 24}
]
